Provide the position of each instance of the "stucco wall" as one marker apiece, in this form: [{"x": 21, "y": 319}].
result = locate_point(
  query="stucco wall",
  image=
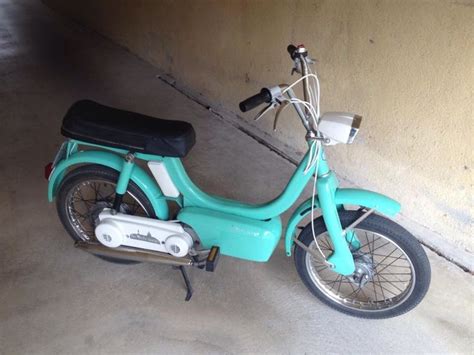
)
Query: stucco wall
[{"x": 406, "y": 66}]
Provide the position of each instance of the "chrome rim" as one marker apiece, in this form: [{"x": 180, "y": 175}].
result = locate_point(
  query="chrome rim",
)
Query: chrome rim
[
  {"x": 384, "y": 276},
  {"x": 87, "y": 199}
]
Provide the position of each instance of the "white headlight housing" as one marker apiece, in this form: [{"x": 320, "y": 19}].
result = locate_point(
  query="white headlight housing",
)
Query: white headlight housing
[{"x": 339, "y": 127}]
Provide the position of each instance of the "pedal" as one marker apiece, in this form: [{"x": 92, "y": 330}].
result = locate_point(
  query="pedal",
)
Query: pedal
[{"x": 212, "y": 259}]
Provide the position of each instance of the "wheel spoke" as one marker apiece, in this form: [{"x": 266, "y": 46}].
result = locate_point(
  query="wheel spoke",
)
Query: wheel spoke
[
  {"x": 340, "y": 283},
  {"x": 88, "y": 198},
  {"x": 321, "y": 268},
  {"x": 324, "y": 242},
  {"x": 383, "y": 276},
  {"x": 368, "y": 242},
  {"x": 337, "y": 279},
  {"x": 398, "y": 266},
  {"x": 109, "y": 196},
  {"x": 391, "y": 282},
  {"x": 387, "y": 290},
  {"x": 379, "y": 285},
  {"x": 375, "y": 291},
  {"x": 368, "y": 245},
  {"x": 381, "y": 246},
  {"x": 393, "y": 251},
  {"x": 80, "y": 215},
  {"x": 386, "y": 266},
  {"x": 355, "y": 292},
  {"x": 363, "y": 292},
  {"x": 93, "y": 187},
  {"x": 390, "y": 257}
]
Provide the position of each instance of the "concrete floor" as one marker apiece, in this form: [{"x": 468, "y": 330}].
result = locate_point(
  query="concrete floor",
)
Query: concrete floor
[{"x": 55, "y": 299}]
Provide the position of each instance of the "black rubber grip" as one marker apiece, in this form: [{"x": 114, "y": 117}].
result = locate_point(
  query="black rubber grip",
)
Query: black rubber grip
[
  {"x": 256, "y": 100},
  {"x": 292, "y": 50}
]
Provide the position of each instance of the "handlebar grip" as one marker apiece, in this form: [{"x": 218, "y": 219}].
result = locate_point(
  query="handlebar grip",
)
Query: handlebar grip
[
  {"x": 292, "y": 50},
  {"x": 263, "y": 96}
]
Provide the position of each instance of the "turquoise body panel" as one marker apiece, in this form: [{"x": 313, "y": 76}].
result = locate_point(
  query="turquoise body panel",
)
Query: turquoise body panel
[
  {"x": 298, "y": 215},
  {"x": 341, "y": 258},
  {"x": 193, "y": 196},
  {"x": 357, "y": 197},
  {"x": 116, "y": 162},
  {"x": 369, "y": 199},
  {"x": 236, "y": 236},
  {"x": 241, "y": 230}
]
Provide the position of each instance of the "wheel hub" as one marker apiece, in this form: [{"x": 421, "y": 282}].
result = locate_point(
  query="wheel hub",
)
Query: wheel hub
[
  {"x": 96, "y": 209},
  {"x": 364, "y": 269}
]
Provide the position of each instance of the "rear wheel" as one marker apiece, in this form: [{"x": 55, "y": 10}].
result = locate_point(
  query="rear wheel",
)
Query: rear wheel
[
  {"x": 85, "y": 192},
  {"x": 392, "y": 270}
]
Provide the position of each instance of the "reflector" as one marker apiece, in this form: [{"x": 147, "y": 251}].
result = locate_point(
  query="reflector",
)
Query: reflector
[{"x": 48, "y": 168}]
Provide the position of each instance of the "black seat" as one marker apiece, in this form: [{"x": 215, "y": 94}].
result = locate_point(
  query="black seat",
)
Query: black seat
[{"x": 91, "y": 122}]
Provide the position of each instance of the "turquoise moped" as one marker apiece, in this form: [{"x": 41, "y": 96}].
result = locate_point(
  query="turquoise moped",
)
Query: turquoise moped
[{"x": 122, "y": 193}]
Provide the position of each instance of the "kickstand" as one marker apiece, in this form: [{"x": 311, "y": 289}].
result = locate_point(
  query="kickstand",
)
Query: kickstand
[{"x": 189, "y": 287}]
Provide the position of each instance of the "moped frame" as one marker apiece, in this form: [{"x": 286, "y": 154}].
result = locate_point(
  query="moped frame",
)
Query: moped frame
[{"x": 330, "y": 197}]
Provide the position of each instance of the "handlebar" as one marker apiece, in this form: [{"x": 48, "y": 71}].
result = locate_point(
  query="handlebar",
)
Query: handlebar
[
  {"x": 297, "y": 51},
  {"x": 292, "y": 51},
  {"x": 263, "y": 96},
  {"x": 299, "y": 54}
]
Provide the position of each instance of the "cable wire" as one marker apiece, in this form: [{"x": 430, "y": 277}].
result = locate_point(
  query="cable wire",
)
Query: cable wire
[{"x": 313, "y": 109}]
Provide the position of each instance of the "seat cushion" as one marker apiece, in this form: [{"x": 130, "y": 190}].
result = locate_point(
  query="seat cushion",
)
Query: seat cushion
[{"x": 92, "y": 122}]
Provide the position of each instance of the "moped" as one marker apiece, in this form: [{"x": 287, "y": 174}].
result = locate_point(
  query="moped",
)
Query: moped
[{"x": 350, "y": 257}]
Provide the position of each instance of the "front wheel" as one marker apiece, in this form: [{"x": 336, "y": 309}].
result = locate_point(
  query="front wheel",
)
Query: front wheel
[{"x": 392, "y": 270}]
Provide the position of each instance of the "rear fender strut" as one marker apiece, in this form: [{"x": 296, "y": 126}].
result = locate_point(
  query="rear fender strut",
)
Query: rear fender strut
[{"x": 116, "y": 162}]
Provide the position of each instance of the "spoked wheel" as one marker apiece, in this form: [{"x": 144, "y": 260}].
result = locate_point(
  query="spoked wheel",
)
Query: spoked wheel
[
  {"x": 85, "y": 192},
  {"x": 392, "y": 270}
]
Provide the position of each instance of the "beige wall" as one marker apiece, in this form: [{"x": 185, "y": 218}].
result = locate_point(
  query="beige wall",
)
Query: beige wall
[{"x": 406, "y": 66}]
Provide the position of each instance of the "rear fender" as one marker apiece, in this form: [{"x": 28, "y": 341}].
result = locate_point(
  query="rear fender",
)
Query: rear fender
[
  {"x": 114, "y": 161},
  {"x": 356, "y": 197}
]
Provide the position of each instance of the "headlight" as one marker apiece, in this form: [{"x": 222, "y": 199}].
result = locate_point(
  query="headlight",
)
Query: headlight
[{"x": 339, "y": 127}]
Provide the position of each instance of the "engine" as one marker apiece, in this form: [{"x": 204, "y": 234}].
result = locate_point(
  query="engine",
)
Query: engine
[{"x": 118, "y": 229}]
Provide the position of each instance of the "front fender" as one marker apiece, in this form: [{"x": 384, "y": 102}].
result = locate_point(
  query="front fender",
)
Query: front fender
[
  {"x": 356, "y": 197},
  {"x": 114, "y": 161}
]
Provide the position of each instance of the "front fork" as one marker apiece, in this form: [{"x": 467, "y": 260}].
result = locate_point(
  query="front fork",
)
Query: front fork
[{"x": 341, "y": 260}]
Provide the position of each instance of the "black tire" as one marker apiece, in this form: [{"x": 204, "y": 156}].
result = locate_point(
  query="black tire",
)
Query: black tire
[
  {"x": 89, "y": 173},
  {"x": 390, "y": 231}
]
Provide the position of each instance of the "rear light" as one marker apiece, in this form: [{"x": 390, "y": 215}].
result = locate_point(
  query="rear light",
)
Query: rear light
[{"x": 48, "y": 169}]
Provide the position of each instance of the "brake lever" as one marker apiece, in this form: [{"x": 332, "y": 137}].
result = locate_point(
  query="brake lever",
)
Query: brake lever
[
  {"x": 297, "y": 65},
  {"x": 265, "y": 110},
  {"x": 279, "y": 111}
]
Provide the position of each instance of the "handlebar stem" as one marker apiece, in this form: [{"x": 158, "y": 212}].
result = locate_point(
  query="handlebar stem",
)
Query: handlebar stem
[
  {"x": 300, "y": 55},
  {"x": 301, "y": 114},
  {"x": 304, "y": 72}
]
